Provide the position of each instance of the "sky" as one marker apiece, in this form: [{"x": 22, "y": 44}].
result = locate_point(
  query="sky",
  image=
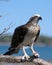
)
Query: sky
[{"x": 18, "y": 13}]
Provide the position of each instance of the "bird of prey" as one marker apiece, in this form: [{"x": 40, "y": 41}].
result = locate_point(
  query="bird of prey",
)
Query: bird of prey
[{"x": 25, "y": 35}]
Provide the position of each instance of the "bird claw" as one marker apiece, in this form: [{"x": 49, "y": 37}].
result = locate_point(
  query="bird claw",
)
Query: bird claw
[
  {"x": 25, "y": 58},
  {"x": 29, "y": 58},
  {"x": 36, "y": 55}
]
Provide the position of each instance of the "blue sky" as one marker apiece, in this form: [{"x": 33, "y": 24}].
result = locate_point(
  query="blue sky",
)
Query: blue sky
[{"x": 19, "y": 11}]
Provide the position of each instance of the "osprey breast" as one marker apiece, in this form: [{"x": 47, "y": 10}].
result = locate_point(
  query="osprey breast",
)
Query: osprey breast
[{"x": 33, "y": 30}]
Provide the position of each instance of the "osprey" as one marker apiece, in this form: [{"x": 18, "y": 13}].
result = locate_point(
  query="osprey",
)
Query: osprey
[{"x": 25, "y": 35}]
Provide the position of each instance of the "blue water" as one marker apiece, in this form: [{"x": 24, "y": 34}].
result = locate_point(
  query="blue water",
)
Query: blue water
[{"x": 45, "y": 52}]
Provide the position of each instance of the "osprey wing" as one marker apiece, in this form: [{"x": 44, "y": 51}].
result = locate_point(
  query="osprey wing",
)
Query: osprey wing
[{"x": 18, "y": 36}]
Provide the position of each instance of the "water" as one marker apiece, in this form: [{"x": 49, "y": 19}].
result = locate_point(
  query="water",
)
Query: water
[{"x": 45, "y": 51}]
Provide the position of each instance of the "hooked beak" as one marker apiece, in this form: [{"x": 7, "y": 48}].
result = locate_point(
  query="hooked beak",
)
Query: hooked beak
[{"x": 40, "y": 18}]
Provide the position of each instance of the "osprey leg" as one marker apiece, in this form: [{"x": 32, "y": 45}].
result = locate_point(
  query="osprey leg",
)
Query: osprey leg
[
  {"x": 25, "y": 56},
  {"x": 34, "y": 52}
]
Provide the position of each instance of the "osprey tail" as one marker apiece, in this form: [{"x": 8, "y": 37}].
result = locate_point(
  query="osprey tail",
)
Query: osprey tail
[{"x": 10, "y": 52}]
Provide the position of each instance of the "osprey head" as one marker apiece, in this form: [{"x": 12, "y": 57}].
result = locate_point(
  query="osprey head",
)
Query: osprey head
[{"x": 35, "y": 18}]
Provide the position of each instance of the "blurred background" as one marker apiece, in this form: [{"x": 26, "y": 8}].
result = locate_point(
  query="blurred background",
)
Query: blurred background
[{"x": 14, "y": 13}]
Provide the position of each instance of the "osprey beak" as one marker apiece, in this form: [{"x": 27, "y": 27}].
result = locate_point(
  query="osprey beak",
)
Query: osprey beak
[{"x": 40, "y": 18}]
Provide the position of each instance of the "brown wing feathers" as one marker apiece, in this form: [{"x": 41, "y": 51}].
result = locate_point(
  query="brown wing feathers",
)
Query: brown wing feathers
[{"x": 18, "y": 36}]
